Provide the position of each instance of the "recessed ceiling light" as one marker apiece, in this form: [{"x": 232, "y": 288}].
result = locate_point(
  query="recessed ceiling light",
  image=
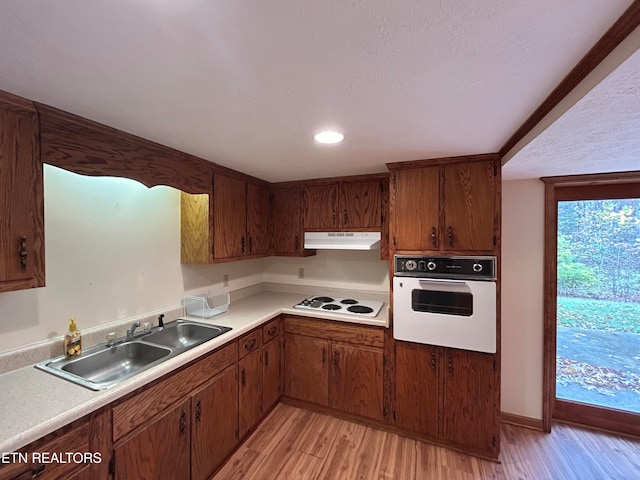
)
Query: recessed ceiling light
[{"x": 328, "y": 136}]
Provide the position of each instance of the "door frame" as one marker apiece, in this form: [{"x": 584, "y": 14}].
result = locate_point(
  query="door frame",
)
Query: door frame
[{"x": 576, "y": 187}]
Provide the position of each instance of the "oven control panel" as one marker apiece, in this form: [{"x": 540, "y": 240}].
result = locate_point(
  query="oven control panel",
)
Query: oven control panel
[{"x": 478, "y": 268}]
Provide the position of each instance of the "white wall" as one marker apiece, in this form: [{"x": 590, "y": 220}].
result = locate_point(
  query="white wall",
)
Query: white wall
[
  {"x": 522, "y": 296},
  {"x": 332, "y": 268}
]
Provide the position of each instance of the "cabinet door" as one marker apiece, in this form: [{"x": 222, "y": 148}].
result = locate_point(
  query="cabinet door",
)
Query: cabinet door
[
  {"x": 469, "y": 206},
  {"x": 214, "y": 417},
  {"x": 229, "y": 216},
  {"x": 360, "y": 204},
  {"x": 21, "y": 197},
  {"x": 258, "y": 218},
  {"x": 470, "y": 402},
  {"x": 416, "y": 208},
  {"x": 159, "y": 451},
  {"x": 250, "y": 397},
  {"x": 356, "y": 381},
  {"x": 287, "y": 221},
  {"x": 417, "y": 388},
  {"x": 306, "y": 371},
  {"x": 320, "y": 203},
  {"x": 270, "y": 373}
]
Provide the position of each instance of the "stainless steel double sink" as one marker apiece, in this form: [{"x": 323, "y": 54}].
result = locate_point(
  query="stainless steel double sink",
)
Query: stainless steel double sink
[{"x": 105, "y": 365}]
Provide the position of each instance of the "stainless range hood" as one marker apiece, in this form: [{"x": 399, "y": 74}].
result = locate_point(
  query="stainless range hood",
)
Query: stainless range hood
[{"x": 342, "y": 240}]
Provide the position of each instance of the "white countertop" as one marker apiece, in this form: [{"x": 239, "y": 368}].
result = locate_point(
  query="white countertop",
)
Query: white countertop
[{"x": 34, "y": 403}]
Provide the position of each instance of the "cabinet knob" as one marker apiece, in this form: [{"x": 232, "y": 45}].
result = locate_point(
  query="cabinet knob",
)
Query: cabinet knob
[
  {"x": 434, "y": 237},
  {"x": 198, "y": 411},
  {"x": 183, "y": 423},
  {"x": 243, "y": 378},
  {"x": 433, "y": 361},
  {"x": 250, "y": 344},
  {"x": 272, "y": 331},
  {"x": 450, "y": 366},
  {"x": 324, "y": 355},
  {"x": 266, "y": 358},
  {"x": 345, "y": 217},
  {"x": 242, "y": 244},
  {"x": 333, "y": 217},
  {"x": 450, "y": 236},
  {"x": 335, "y": 358},
  {"x": 23, "y": 253},
  {"x": 296, "y": 243}
]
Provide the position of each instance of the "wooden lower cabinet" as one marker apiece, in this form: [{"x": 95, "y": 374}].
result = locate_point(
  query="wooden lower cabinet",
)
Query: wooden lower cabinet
[
  {"x": 250, "y": 391},
  {"x": 161, "y": 450},
  {"x": 356, "y": 381},
  {"x": 470, "y": 401},
  {"x": 417, "y": 388},
  {"x": 214, "y": 420},
  {"x": 306, "y": 370},
  {"x": 271, "y": 375},
  {"x": 448, "y": 394}
]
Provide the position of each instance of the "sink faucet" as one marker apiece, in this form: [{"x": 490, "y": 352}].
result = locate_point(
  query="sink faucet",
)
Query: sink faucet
[{"x": 131, "y": 330}]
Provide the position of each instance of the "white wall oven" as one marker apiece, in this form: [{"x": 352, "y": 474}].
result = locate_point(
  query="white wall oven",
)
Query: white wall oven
[{"x": 447, "y": 301}]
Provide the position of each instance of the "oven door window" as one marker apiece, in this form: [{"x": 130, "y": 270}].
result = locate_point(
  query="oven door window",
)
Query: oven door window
[{"x": 447, "y": 303}]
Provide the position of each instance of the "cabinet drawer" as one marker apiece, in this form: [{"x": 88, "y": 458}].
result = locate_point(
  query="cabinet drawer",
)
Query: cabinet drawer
[
  {"x": 271, "y": 330},
  {"x": 342, "y": 332},
  {"x": 48, "y": 458},
  {"x": 249, "y": 343},
  {"x": 138, "y": 409}
]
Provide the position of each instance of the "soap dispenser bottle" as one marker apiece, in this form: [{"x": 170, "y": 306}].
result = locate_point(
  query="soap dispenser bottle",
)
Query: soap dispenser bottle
[{"x": 72, "y": 340}]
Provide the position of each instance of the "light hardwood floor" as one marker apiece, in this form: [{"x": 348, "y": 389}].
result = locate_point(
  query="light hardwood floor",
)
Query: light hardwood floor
[{"x": 295, "y": 444}]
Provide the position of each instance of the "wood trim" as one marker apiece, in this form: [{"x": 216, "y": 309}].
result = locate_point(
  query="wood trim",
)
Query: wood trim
[
  {"x": 321, "y": 181},
  {"x": 483, "y": 157},
  {"x": 15, "y": 103},
  {"x": 599, "y": 418},
  {"x": 558, "y": 188},
  {"x": 626, "y": 24},
  {"x": 549, "y": 348},
  {"x": 521, "y": 421}
]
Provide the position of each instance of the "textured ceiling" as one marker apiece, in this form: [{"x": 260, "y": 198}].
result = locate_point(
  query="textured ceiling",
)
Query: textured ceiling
[
  {"x": 600, "y": 133},
  {"x": 246, "y": 84}
]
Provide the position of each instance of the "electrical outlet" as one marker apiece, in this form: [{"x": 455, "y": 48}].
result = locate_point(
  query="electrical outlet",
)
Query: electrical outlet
[
  {"x": 300, "y": 272},
  {"x": 225, "y": 280}
]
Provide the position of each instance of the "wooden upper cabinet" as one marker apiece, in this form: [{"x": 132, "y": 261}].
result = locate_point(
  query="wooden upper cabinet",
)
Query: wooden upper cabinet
[
  {"x": 258, "y": 219},
  {"x": 415, "y": 210},
  {"x": 229, "y": 217},
  {"x": 360, "y": 204},
  {"x": 446, "y": 205},
  {"x": 320, "y": 206},
  {"x": 21, "y": 196},
  {"x": 469, "y": 206},
  {"x": 287, "y": 221}
]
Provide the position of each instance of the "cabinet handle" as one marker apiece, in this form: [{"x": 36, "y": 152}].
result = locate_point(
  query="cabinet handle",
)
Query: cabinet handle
[
  {"x": 450, "y": 366},
  {"x": 23, "y": 253},
  {"x": 335, "y": 358},
  {"x": 266, "y": 359},
  {"x": 324, "y": 355},
  {"x": 36, "y": 471},
  {"x": 434, "y": 237},
  {"x": 296, "y": 243},
  {"x": 333, "y": 218},
  {"x": 243, "y": 378},
  {"x": 345, "y": 217},
  {"x": 183, "y": 422},
  {"x": 272, "y": 331},
  {"x": 433, "y": 362},
  {"x": 242, "y": 243},
  {"x": 198, "y": 411},
  {"x": 250, "y": 344},
  {"x": 450, "y": 236},
  {"x": 250, "y": 244}
]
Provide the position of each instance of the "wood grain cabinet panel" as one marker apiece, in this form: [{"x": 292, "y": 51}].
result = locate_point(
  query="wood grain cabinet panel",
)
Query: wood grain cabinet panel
[
  {"x": 214, "y": 420},
  {"x": 250, "y": 396},
  {"x": 320, "y": 206},
  {"x": 415, "y": 211},
  {"x": 417, "y": 388},
  {"x": 258, "y": 219},
  {"x": 469, "y": 206},
  {"x": 360, "y": 204},
  {"x": 271, "y": 375},
  {"x": 306, "y": 369},
  {"x": 21, "y": 196},
  {"x": 356, "y": 381},
  {"x": 469, "y": 400},
  {"x": 161, "y": 450},
  {"x": 287, "y": 221},
  {"x": 229, "y": 217}
]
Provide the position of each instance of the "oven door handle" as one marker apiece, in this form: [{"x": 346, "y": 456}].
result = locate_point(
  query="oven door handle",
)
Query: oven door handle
[{"x": 441, "y": 282}]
